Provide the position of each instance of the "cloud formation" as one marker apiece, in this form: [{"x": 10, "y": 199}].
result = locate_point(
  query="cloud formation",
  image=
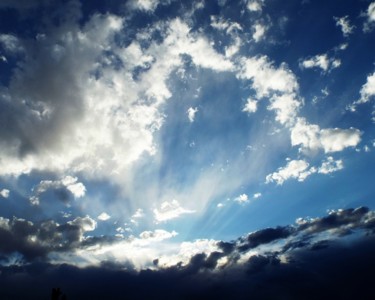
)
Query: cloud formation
[
  {"x": 321, "y": 61},
  {"x": 344, "y": 24},
  {"x": 4, "y": 193},
  {"x": 63, "y": 189},
  {"x": 36, "y": 240},
  {"x": 170, "y": 210},
  {"x": 312, "y": 258}
]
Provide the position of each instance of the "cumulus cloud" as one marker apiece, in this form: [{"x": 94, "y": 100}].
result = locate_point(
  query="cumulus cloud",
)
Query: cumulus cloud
[
  {"x": 300, "y": 170},
  {"x": 71, "y": 129},
  {"x": 330, "y": 165},
  {"x": 321, "y": 61},
  {"x": 157, "y": 235},
  {"x": 11, "y": 43},
  {"x": 367, "y": 92},
  {"x": 191, "y": 112},
  {"x": 170, "y": 210},
  {"x": 250, "y": 106},
  {"x": 344, "y": 24},
  {"x": 286, "y": 107},
  {"x": 259, "y": 31},
  {"x": 255, "y": 5},
  {"x": 146, "y": 5},
  {"x": 63, "y": 189},
  {"x": 243, "y": 198},
  {"x": 4, "y": 193},
  {"x": 225, "y": 25},
  {"x": 266, "y": 77},
  {"x": 104, "y": 216},
  {"x": 297, "y": 169},
  {"x": 370, "y": 14},
  {"x": 336, "y": 139},
  {"x": 36, "y": 240},
  {"x": 306, "y": 135},
  {"x": 312, "y": 138}
]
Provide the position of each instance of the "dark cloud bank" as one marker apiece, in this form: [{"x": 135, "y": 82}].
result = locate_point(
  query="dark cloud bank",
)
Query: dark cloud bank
[{"x": 323, "y": 258}]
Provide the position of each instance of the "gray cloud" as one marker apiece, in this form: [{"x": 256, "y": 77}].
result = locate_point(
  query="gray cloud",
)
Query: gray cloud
[
  {"x": 37, "y": 240},
  {"x": 264, "y": 236},
  {"x": 311, "y": 268}
]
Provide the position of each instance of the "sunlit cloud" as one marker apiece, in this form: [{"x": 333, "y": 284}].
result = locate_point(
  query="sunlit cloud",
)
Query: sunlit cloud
[
  {"x": 170, "y": 210},
  {"x": 104, "y": 216},
  {"x": 4, "y": 193}
]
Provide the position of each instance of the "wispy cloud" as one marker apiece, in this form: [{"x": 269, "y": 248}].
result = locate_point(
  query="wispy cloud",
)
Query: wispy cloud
[{"x": 170, "y": 210}]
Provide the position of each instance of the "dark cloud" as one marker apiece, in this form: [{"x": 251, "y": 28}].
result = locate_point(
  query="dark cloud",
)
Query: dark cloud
[
  {"x": 318, "y": 262},
  {"x": 265, "y": 236},
  {"x": 341, "y": 221},
  {"x": 35, "y": 241},
  {"x": 338, "y": 272}
]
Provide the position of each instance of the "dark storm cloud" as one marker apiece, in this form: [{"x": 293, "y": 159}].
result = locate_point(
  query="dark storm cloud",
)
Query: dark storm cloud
[
  {"x": 341, "y": 221},
  {"x": 337, "y": 272},
  {"x": 331, "y": 267},
  {"x": 265, "y": 236},
  {"x": 36, "y": 241}
]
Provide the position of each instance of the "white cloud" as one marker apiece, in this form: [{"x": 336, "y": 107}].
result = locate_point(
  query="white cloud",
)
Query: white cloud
[
  {"x": 286, "y": 107},
  {"x": 266, "y": 78},
  {"x": 259, "y": 31},
  {"x": 321, "y": 61},
  {"x": 170, "y": 210},
  {"x": 146, "y": 5},
  {"x": 367, "y": 92},
  {"x": 370, "y": 14},
  {"x": 191, "y": 112},
  {"x": 157, "y": 235},
  {"x": 305, "y": 134},
  {"x": 344, "y": 24},
  {"x": 257, "y": 195},
  {"x": 330, "y": 165},
  {"x": 312, "y": 138},
  {"x": 294, "y": 169},
  {"x": 233, "y": 48},
  {"x": 336, "y": 139},
  {"x": 187, "y": 250},
  {"x": 243, "y": 198},
  {"x": 368, "y": 89},
  {"x": 68, "y": 183},
  {"x": 225, "y": 25},
  {"x": 11, "y": 43},
  {"x": 75, "y": 131},
  {"x": 104, "y": 216},
  {"x": 76, "y": 188},
  {"x": 250, "y": 106},
  {"x": 138, "y": 214},
  {"x": 84, "y": 223},
  {"x": 4, "y": 193},
  {"x": 255, "y": 5}
]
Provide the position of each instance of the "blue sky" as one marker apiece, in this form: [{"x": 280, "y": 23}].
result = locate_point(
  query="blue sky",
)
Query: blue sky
[{"x": 148, "y": 129}]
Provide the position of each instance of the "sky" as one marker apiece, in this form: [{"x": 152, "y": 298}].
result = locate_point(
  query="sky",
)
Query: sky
[{"x": 222, "y": 146}]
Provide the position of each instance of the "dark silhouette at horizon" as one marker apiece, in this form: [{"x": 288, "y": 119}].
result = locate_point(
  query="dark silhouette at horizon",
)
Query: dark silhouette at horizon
[{"x": 57, "y": 294}]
